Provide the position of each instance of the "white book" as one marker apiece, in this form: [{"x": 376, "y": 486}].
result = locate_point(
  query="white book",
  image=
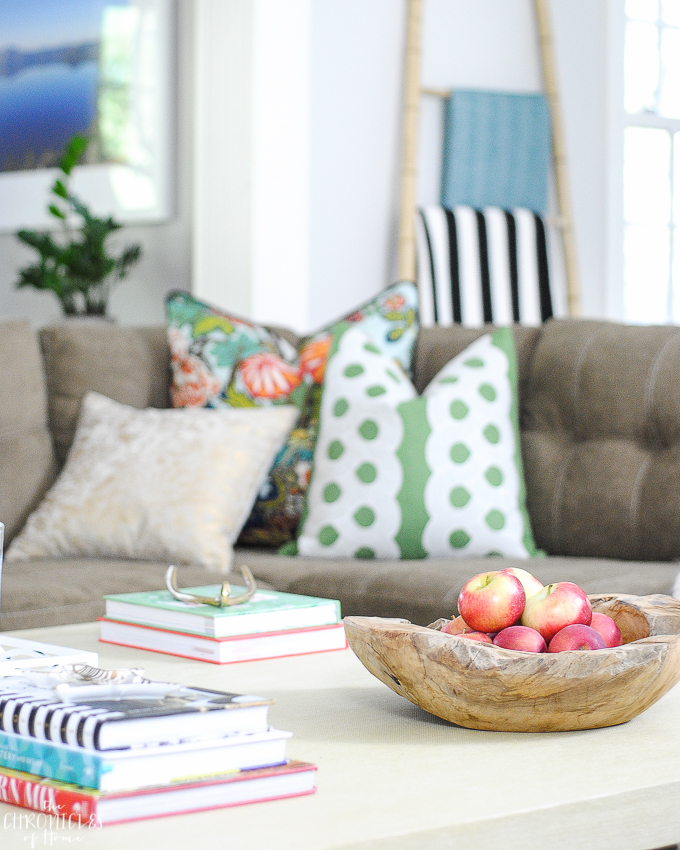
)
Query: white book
[
  {"x": 225, "y": 650},
  {"x": 142, "y": 767},
  {"x": 106, "y": 715}
]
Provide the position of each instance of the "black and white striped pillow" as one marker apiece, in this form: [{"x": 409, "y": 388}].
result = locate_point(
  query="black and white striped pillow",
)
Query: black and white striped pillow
[{"x": 482, "y": 266}]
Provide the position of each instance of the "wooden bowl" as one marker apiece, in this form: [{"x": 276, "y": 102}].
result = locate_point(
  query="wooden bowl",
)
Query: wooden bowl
[{"x": 482, "y": 686}]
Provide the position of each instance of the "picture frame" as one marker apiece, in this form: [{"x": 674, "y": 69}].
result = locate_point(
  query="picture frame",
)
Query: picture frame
[{"x": 105, "y": 64}]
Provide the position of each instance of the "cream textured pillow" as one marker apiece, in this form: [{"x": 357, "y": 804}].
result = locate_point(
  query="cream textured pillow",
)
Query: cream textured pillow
[{"x": 166, "y": 485}]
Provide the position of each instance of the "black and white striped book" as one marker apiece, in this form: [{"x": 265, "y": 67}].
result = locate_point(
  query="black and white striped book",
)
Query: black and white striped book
[
  {"x": 483, "y": 266},
  {"x": 110, "y": 715}
]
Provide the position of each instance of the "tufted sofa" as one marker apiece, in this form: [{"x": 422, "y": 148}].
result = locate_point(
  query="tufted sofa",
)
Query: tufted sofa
[{"x": 600, "y": 426}]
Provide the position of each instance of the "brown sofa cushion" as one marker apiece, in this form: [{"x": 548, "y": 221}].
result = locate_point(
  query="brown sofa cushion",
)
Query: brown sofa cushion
[
  {"x": 601, "y": 440},
  {"x": 437, "y": 345},
  {"x": 424, "y": 590},
  {"x": 599, "y": 406},
  {"x": 27, "y": 466},
  {"x": 54, "y": 592},
  {"x": 127, "y": 364}
]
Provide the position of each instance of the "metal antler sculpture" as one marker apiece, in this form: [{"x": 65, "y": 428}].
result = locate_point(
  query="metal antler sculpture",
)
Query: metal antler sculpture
[{"x": 223, "y": 599}]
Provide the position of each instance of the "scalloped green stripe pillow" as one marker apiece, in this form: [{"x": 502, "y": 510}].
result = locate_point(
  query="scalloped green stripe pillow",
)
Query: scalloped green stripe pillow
[{"x": 401, "y": 476}]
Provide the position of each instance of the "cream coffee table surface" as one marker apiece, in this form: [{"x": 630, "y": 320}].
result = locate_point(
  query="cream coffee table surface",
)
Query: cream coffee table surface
[{"x": 392, "y": 777}]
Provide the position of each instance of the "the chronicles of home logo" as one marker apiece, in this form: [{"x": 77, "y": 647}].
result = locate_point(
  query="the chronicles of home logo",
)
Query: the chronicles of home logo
[{"x": 48, "y": 830}]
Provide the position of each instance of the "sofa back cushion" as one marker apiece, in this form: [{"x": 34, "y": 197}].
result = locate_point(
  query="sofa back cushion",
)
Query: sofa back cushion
[
  {"x": 131, "y": 365},
  {"x": 601, "y": 440},
  {"x": 437, "y": 345},
  {"x": 28, "y": 465},
  {"x": 599, "y": 415}
]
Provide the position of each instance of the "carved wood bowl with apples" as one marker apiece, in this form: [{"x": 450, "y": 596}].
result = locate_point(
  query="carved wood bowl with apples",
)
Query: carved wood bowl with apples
[{"x": 484, "y": 686}]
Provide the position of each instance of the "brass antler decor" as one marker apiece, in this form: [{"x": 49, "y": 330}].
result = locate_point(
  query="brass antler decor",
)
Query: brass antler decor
[{"x": 222, "y": 600}]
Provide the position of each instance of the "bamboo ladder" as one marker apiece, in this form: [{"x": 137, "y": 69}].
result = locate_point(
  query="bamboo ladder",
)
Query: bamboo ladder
[{"x": 412, "y": 93}]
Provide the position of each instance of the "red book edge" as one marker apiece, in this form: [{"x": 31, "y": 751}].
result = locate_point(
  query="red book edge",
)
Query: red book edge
[
  {"x": 72, "y": 804},
  {"x": 219, "y": 640}
]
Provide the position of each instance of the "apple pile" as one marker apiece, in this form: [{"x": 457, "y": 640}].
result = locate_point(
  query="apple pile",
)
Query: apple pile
[{"x": 512, "y": 609}]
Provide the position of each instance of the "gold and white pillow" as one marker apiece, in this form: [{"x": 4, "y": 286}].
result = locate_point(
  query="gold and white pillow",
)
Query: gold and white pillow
[{"x": 164, "y": 485}]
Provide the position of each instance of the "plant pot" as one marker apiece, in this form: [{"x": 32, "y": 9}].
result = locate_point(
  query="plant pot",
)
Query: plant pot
[{"x": 87, "y": 320}]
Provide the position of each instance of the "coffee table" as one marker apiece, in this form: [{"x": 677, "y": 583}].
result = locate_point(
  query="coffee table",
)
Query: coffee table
[{"x": 392, "y": 777}]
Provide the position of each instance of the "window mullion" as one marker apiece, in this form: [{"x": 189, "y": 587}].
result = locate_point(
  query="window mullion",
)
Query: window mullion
[
  {"x": 659, "y": 79},
  {"x": 671, "y": 233},
  {"x": 647, "y": 239}
]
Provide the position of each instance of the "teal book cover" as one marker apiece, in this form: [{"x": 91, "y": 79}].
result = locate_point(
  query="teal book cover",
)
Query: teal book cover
[
  {"x": 67, "y": 764},
  {"x": 266, "y": 611}
]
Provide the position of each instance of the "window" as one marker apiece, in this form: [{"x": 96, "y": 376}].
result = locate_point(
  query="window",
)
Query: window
[{"x": 651, "y": 161}]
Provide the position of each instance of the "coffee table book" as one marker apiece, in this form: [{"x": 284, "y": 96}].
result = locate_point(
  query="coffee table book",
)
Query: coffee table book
[
  {"x": 142, "y": 767},
  {"x": 111, "y": 716},
  {"x": 224, "y": 650},
  {"x": 267, "y": 611},
  {"x": 86, "y": 806}
]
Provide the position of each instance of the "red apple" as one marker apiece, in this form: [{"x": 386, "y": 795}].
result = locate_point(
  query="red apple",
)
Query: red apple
[
  {"x": 491, "y": 601},
  {"x": 606, "y": 626},
  {"x": 521, "y": 638},
  {"x": 576, "y": 636},
  {"x": 455, "y": 626},
  {"x": 556, "y": 606},
  {"x": 480, "y": 636},
  {"x": 530, "y": 583}
]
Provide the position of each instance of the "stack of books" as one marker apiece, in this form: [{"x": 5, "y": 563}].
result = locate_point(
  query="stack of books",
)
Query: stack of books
[
  {"x": 270, "y": 625},
  {"x": 105, "y": 752}
]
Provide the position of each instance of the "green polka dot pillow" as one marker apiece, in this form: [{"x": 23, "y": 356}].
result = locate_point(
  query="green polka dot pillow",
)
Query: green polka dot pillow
[{"x": 402, "y": 476}]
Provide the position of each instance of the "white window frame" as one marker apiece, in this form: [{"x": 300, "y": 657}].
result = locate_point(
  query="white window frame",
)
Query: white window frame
[{"x": 618, "y": 121}]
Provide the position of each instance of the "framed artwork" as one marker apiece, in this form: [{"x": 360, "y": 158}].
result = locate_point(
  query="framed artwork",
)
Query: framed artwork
[{"x": 100, "y": 68}]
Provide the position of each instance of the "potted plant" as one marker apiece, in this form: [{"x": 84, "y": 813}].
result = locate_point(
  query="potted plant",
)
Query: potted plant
[{"x": 75, "y": 263}]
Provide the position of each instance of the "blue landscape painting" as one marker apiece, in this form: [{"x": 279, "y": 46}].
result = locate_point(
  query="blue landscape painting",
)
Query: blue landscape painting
[{"x": 49, "y": 78}]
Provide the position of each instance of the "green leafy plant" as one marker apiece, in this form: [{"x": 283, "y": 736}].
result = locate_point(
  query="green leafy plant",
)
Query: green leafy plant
[{"x": 75, "y": 263}]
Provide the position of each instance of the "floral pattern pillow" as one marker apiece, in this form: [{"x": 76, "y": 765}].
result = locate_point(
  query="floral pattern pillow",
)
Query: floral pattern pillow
[
  {"x": 390, "y": 319},
  {"x": 205, "y": 346},
  {"x": 222, "y": 361}
]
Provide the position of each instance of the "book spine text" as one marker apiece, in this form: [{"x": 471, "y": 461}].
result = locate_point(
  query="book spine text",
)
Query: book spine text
[{"x": 74, "y": 806}]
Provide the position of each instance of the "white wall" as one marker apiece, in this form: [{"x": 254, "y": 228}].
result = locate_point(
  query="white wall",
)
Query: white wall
[
  {"x": 301, "y": 240},
  {"x": 357, "y": 58},
  {"x": 222, "y": 202},
  {"x": 296, "y": 224},
  {"x": 581, "y": 43},
  {"x": 494, "y": 44},
  {"x": 252, "y": 114},
  {"x": 484, "y": 45},
  {"x": 357, "y": 51}
]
